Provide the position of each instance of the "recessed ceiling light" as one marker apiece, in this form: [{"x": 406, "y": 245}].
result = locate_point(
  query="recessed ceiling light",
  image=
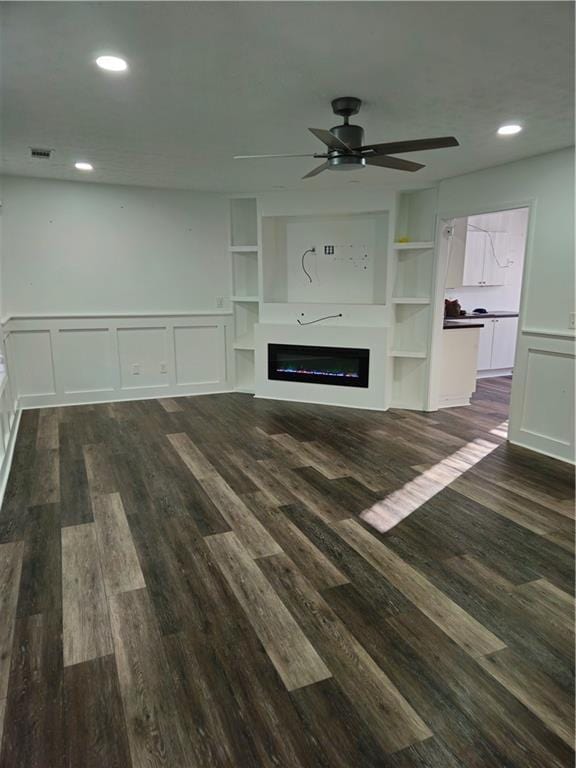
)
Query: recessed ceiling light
[
  {"x": 84, "y": 166},
  {"x": 509, "y": 130},
  {"x": 112, "y": 63}
]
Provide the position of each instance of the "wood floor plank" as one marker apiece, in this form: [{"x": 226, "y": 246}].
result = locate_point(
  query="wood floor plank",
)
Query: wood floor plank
[
  {"x": 99, "y": 469},
  {"x": 317, "y": 568},
  {"x": 518, "y": 735},
  {"x": 194, "y": 459},
  {"x": 337, "y": 726},
  {"x": 41, "y": 579},
  {"x": 47, "y": 437},
  {"x": 170, "y": 405},
  {"x": 86, "y": 625},
  {"x": 538, "y": 693},
  {"x": 455, "y": 622},
  {"x": 243, "y": 522},
  {"x": 154, "y": 729},
  {"x": 292, "y": 654},
  {"x": 94, "y": 716},
  {"x": 120, "y": 566},
  {"x": 10, "y": 569},
  {"x": 34, "y": 732},
  {"x": 2, "y": 714},
  {"x": 46, "y": 478},
  {"x": 390, "y": 717},
  {"x": 325, "y": 508}
]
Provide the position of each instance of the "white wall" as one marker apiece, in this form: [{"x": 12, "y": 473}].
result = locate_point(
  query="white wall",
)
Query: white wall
[
  {"x": 542, "y": 410},
  {"x": 82, "y": 248},
  {"x": 510, "y": 249}
]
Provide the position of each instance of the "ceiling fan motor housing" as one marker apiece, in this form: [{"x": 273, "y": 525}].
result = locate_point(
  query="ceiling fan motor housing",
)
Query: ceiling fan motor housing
[{"x": 353, "y": 136}]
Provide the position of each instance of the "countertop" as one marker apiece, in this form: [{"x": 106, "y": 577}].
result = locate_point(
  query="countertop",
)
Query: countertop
[
  {"x": 481, "y": 316},
  {"x": 454, "y": 323},
  {"x": 463, "y": 320}
]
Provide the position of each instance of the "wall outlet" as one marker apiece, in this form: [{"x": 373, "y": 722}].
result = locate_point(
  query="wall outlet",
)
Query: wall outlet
[
  {"x": 219, "y": 302},
  {"x": 163, "y": 368},
  {"x": 135, "y": 369},
  {"x": 572, "y": 321}
]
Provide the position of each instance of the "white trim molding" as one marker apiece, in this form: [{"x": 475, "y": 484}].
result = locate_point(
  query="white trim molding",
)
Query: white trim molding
[
  {"x": 542, "y": 406},
  {"x": 78, "y": 359}
]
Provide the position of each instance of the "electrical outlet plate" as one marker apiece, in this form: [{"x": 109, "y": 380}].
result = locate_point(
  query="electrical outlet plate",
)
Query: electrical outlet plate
[
  {"x": 572, "y": 321},
  {"x": 219, "y": 302},
  {"x": 135, "y": 369},
  {"x": 163, "y": 368}
]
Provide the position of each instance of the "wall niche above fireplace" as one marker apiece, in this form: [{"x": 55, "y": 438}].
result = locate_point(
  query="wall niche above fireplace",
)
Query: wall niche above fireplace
[{"x": 340, "y": 366}]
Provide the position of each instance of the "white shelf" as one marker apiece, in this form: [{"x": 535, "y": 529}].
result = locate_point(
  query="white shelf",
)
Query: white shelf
[
  {"x": 243, "y": 249},
  {"x": 245, "y": 299},
  {"x": 406, "y": 353},
  {"x": 421, "y": 246},
  {"x": 409, "y": 300},
  {"x": 245, "y": 342}
]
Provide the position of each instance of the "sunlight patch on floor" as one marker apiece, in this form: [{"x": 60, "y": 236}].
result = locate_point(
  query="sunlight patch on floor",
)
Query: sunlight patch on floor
[{"x": 385, "y": 514}]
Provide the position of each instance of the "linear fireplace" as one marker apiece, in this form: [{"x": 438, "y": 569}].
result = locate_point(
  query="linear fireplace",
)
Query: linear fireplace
[{"x": 342, "y": 366}]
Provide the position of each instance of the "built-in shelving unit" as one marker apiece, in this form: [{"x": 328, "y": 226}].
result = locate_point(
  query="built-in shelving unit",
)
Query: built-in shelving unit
[
  {"x": 412, "y": 268},
  {"x": 244, "y": 264},
  {"x": 336, "y": 259},
  {"x": 414, "y": 246}
]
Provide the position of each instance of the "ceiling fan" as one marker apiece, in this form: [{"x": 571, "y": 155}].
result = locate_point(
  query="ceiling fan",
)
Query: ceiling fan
[{"x": 345, "y": 149}]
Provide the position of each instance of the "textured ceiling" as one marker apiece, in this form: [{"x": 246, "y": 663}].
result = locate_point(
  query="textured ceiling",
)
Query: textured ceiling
[{"x": 209, "y": 80}]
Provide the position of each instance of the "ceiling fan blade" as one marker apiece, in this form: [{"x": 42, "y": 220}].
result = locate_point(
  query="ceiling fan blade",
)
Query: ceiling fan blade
[
  {"x": 331, "y": 141},
  {"x": 256, "y": 157},
  {"x": 416, "y": 145},
  {"x": 383, "y": 161},
  {"x": 317, "y": 170}
]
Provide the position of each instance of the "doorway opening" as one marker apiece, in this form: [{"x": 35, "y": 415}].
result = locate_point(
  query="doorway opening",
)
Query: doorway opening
[{"x": 481, "y": 268}]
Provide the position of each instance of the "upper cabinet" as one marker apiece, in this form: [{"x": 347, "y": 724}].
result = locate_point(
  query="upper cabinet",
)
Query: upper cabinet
[{"x": 482, "y": 250}]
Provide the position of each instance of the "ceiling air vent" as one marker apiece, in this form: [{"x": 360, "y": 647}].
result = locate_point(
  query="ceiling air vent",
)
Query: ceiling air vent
[{"x": 42, "y": 154}]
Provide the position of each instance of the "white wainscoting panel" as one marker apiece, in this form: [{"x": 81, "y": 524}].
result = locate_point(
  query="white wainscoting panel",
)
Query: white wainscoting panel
[
  {"x": 85, "y": 360},
  {"x": 9, "y": 422},
  {"x": 143, "y": 357},
  {"x": 542, "y": 408},
  {"x": 90, "y": 359},
  {"x": 199, "y": 354},
  {"x": 32, "y": 362}
]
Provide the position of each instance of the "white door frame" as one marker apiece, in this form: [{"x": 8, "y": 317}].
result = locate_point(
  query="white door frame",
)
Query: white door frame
[{"x": 442, "y": 220}]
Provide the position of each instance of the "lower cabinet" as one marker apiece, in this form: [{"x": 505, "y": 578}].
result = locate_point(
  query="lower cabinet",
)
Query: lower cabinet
[{"x": 497, "y": 345}]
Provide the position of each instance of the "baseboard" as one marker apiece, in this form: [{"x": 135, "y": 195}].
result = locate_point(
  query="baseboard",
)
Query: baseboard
[
  {"x": 454, "y": 402},
  {"x": 7, "y": 463},
  {"x": 494, "y": 373},
  {"x": 167, "y": 395},
  {"x": 571, "y": 462},
  {"x": 315, "y": 402}
]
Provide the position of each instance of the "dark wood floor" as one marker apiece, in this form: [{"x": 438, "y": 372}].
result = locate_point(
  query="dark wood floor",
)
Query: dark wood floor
[{"x": 188, "y": 583}]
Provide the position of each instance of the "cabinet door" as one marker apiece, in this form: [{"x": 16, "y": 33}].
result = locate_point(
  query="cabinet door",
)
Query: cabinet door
[
  {"x": 485, "y": 345},
  {"x": 474, "y": 258},
  {"x": 504, "y": 346},
  {"x": 495, "y": 259}
]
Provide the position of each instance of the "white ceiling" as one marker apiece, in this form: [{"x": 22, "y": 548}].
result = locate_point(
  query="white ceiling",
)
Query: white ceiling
[{"x": 209, "y": 80}]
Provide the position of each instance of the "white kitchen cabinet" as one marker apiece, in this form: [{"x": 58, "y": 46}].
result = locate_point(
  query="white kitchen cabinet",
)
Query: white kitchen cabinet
[
  {"x": 485, "y": 345},
  {"x": 497, "y": 344},
  {"x": 504, "y": 346},
  {"x": 472, "y": 261},
  {"x": 480, "y": 264}
]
